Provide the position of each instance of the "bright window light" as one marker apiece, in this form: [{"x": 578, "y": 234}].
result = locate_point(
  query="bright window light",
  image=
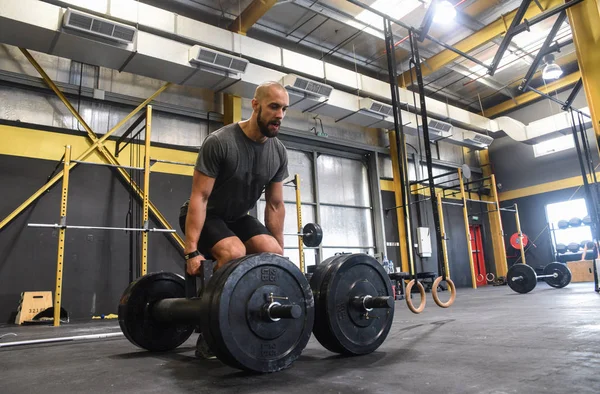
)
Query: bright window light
[
  {"x": 444, "y": 13},
  {"x": 564, "y": 211},
  {"x": 554, "y": 145},
  {"x": 395, "y": 9}
]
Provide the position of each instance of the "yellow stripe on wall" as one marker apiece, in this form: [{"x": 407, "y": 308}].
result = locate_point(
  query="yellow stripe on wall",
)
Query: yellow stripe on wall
[
  {"x": 561, "y": 184},
  {"x": 47, "y": 145}
]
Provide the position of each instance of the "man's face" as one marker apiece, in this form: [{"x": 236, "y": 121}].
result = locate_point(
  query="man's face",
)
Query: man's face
[{"x": 271, "y": 111}]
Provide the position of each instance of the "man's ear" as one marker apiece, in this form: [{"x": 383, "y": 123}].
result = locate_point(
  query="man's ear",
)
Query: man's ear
[{"x": 255, "y": 104}]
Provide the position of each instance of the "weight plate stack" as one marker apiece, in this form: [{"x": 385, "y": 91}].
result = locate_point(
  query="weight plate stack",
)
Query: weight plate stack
[
  {"x": 563, "y": 273},
  {"x": 137, "y": 324},
  {"x": 340, "y": 325},
  {"x": 236, "y": 326}
]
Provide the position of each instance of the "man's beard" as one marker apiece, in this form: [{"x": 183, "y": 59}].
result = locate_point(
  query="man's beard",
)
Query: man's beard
[{"x": 264, "y": 126}]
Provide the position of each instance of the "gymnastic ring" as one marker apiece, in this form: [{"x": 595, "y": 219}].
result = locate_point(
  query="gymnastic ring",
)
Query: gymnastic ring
[
  {"x": 488, "y": 277},
  {"x": 482, "y": 278},
  {"x": 451, "y": 289},
  {"x": 408, "y": 298}
]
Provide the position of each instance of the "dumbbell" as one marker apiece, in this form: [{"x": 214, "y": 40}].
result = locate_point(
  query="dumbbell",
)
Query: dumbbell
[
  {"x": 312, "y": 235},
  {"x": 522, "y": 278},
  {"x": 256, "y": 313}
]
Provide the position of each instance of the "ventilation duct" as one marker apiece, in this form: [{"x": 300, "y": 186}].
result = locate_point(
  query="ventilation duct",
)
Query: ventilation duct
[
  {"x": 375, "y": 107},
  {"x": 438, "y": 130},
  {"x": 98, "y": 27},
  {"x": 477, "y": 140},
  {"x": 305, "y": 94},
  {"x": 208, "y": 57}
]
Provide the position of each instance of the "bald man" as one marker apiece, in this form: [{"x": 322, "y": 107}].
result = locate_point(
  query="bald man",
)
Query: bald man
[{"x": 235, "y": 165}]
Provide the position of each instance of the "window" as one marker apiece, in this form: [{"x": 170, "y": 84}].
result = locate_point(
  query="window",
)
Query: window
[
  {"x": 554, "y": 145},
  {"x": 565, "y": 211}
]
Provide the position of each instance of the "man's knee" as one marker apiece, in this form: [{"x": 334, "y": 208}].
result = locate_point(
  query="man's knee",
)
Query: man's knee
[
  {"x": 263, "y": 244},
  {"x": 228, "y": 249}
]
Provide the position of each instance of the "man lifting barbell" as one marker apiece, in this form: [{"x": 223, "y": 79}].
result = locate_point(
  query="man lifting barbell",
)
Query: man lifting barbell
[{"x": 235, "y": 165}]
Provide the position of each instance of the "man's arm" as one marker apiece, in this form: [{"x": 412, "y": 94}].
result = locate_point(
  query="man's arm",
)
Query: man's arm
[
  {"x": 202, "y": 186},
  {"x": 275, "y": 210}
]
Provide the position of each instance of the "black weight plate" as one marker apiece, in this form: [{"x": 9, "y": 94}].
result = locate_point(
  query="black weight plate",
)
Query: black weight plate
[
  {"x": 563, "y": 278},
  {"x": 216, "y": 282},
  {"x": 313, "y": 235},
  {"x": 521, "y": 278},
  {"x": 135, "y": 321},
  {"x": 340, "y": 327},
  {"x": 562, "y": 224},
  {"x": 242, "y": 336}
]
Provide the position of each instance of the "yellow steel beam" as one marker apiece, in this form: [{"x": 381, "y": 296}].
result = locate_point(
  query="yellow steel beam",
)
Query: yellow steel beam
[
  {"x": 467, "y": 229},
  {"x": 527, "y": 97},
  {"x": 401, "y": 211},
  {"x": 584, "y": 19},
  {"x": 495, "y": 218},
  {"x": 299, "y": 214},
  {"x": 146, "y": 196},
  {"x": 232, "y": 108},
  {"x": 475, "y": 40},
  {"x": 96, "y": 145},
  {"x": 251, "y": 15},
  {"x": 60, "y": 256}
]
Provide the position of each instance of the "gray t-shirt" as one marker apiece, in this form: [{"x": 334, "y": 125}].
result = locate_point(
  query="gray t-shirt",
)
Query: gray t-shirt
[{"x": 242, "y": 169}]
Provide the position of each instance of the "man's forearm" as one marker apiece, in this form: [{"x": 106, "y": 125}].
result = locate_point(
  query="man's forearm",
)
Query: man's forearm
[
  {"x": 194, "y": 223},
  {"x": 274, "y": 219}
]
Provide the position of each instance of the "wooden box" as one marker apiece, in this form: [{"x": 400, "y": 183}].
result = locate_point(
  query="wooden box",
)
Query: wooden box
[
  {"x": 32, "y": 303},
  {"x": 582, "y": 271}
]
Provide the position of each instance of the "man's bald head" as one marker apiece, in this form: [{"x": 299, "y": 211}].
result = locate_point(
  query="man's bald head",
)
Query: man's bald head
[{"x": 266, "y": 89}]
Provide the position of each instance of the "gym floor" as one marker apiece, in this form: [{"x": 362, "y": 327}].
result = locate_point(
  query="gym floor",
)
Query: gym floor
[{"x": 491, "y": 340}]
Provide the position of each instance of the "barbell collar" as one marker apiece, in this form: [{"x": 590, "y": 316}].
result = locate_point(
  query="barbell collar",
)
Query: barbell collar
[
  {"x": 274, "y": 311},
  {"x": 368, "y": 302}
]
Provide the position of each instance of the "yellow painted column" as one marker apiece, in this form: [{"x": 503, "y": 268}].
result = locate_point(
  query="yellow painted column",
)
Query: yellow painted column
[
  {"x": 467, "y": 229},
  {"x": 232, "y": 109},
  {"x": 584, "y": 19},
  {"x": 495, "y": 218},
  {"x": 401, "y": 212}
]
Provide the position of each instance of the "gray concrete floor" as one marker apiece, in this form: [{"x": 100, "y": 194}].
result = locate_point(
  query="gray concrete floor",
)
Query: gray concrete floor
[{"x": 490, "y": 341}]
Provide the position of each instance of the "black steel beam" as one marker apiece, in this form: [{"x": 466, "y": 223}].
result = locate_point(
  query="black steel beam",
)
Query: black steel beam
[
  {"x": 573, "y": 94},
  {"x": 543, "y": 16},
  {"x": 433, "y": 39},
  {"x": 509, "y": 35},
  {"x": 543, "y": 51},
  {"x": 427, "y": 20}
]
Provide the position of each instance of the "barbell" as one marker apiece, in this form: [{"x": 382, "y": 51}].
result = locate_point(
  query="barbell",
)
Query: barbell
[
  {"x": 522, "y": 278},
  {"x": 312, "y": 235},
  {"x": 256, "y": 313}
]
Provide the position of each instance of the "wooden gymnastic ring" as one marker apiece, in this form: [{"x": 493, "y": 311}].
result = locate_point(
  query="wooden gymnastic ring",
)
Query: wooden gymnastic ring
[
  {"x": 407, "y": 296},
  {"x": 451, "y": 289},
  {"x": 488, "y": 277},
  {"x": 480, "y": 279}
]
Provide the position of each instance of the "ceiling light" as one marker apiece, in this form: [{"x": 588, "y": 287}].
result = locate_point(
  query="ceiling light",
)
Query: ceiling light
[
  {"x": 444, "y": 12},
  {"x": 551, "y": 70}
]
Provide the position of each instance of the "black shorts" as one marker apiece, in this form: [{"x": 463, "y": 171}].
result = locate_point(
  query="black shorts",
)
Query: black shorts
[{"x": 216, "y": 229}]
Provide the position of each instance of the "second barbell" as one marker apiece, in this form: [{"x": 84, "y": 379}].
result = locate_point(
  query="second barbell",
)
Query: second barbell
[{"x": 312, "y": 235}]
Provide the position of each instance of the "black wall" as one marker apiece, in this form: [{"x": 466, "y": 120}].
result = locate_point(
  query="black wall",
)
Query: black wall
[
  {"x": 96, "y": 263},
  {"x": 515, "y": 165},
  {"x": 458, "y": 258}
]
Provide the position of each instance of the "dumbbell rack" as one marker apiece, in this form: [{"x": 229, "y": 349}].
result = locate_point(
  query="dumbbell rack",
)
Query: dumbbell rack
[{"x": 553, "y": 241}]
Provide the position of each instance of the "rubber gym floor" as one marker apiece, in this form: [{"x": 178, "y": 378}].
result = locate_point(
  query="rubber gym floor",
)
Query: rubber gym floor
[{"x": 491, "y": 340}]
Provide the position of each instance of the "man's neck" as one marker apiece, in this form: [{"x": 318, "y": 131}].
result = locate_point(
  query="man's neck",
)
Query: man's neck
[{"x": 250, "y": 128}]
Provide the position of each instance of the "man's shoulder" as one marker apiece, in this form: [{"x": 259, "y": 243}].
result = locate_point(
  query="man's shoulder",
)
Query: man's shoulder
[
  {"x": 279, "y": 145},
  {"x": 225, "y": 131}
]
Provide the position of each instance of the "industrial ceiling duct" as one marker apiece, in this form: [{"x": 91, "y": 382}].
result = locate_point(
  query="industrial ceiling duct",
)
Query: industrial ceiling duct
[{"x": 95, "y": 26}]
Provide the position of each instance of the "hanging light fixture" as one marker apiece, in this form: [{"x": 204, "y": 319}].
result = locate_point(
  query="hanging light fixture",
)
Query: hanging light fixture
[
  {"x": 551, "y": 70},
  {"x": 444, "y": 12}
]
